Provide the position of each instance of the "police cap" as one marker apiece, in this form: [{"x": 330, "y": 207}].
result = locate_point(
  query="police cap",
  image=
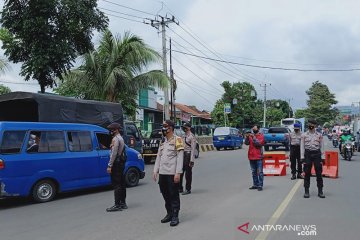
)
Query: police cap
[
  {"x": 312, "y": 121},
  {"x": 297, "y": 126},
  {"x": 114, "y": 125},
  {"x": 169, "y": 123},
  {"x": 187, "y": 124}
]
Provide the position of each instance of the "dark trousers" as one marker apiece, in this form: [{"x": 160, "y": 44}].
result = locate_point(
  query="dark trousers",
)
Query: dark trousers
[
  {"x": 313, "y": 158},
  {"x": 295, "y": 159},
  {"x": 187, "y": 171},
  {"x": 170, "y": 191},
  {"x": 118, "y": 182}
]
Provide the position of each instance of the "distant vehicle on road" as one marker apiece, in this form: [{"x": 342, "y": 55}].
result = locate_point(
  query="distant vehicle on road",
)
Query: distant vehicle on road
[
  {"x": 277, "y": 137},
  {"x": 67, "y": 157},
  {"x": 227, "y": 137},
  {"x": 289, "y": 123}
]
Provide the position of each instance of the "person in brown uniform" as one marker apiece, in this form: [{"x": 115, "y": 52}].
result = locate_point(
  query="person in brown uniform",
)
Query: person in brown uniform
[
  {"x": 116, "y": 167},
  {"x": 189, "y": 157},
  {"x": 168, "y": 168},
  {"x": 295, "y": 140},
  {"x": 311, "y": 146}
]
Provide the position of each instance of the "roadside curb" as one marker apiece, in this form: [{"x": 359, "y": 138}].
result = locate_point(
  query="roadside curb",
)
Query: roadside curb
[{"x": 206, "y": 147}]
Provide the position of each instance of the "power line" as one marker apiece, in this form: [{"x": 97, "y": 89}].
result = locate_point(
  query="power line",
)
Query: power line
[
  {"x": 125, "y": 14},
  {"x": 196, "y": 74},
  {"x": 272, "y": 68},
  {"x": 124, "y": 6},
  {"x": 33, "y": 84},
  {"x": 132, "y": 20}
]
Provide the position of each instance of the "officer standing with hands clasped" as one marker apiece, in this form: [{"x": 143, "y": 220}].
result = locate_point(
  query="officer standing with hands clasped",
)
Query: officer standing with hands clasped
[
  {"x": 295, "y": 140},
  {"x": 189, "y": 156},
  {"x": 311, "y": 146},
  {"x": 116, "y": 167},
  {"x": 168, "y": 168}
]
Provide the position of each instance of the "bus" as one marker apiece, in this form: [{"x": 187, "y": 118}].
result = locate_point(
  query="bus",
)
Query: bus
[{"x": 289, "y": 123}]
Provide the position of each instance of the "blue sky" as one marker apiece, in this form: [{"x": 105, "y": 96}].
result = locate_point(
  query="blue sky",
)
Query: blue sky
[{"x": 323, "y": 34}]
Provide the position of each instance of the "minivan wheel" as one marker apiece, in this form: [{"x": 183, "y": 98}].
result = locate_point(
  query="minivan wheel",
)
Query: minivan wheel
[
  {"x": 44, "y": 191},
  {"x": 132, "y": 177}
]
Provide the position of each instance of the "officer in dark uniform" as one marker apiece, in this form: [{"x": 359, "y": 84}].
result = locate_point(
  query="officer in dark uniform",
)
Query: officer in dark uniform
[
  {"x": 168, "y": 168},
  {"x": 189, "y": 157},
  {"x": 311, "y": 146},
  {"x": 116, "y": 167}
]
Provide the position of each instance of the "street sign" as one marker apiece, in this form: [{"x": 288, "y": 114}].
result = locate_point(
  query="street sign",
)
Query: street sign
[{"x": 227, "y": 108}]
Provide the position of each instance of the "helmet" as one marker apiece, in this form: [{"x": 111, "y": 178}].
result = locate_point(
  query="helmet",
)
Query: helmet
[{"x": 297, "y": 126}]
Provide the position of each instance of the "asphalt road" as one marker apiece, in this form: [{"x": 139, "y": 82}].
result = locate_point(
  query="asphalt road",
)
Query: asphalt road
[{"x": 220, "y": 202}]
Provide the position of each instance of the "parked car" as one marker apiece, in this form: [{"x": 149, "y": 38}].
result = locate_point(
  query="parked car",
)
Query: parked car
[
  {"x": 132, "y": 136},
  {"x": 227, "y": 137},
  {"x": 277, "y": 137},
  {"x": 151, "y": 144},
  {"x": 67, "y": 157}
]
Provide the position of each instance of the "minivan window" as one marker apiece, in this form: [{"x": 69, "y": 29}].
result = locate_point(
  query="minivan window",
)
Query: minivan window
[
  {"x": 222, "y": 131},
  {"x": 48, "y": 141},
  {"x": 104, "y": 141},
  {"x": 278, "y": 130},
  {"x": 12, "y": 141},
  {"x": 131, "y": 130},
  {"x": 79, "y": 141}
]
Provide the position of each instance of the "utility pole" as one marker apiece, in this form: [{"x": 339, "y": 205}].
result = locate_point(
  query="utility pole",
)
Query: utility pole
[
  {"x": 264, "y": 86},
  {"x": 289, "y": 100},
  {"x": 172, "y": 90},
  {"x": 156, "y": 23}
]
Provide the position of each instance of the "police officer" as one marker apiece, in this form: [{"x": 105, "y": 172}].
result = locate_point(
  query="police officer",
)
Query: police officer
[
  {"x": 189, "y": 156},
  {"x": 295, "y": 140},
  {"x": 311, "y": 145},
  {"x": 116, "y": 167},
  {"x": 168, "y": 168}
]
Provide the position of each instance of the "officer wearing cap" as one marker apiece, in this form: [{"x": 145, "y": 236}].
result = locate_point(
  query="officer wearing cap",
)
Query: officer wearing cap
[
  {"x": 311, "y": 146},
  {"x": 295, "y": 140},
  {"x": 189, "y": 157},
  {"x": 116, "y": 167},
  {"x": 168, "y": 168}
]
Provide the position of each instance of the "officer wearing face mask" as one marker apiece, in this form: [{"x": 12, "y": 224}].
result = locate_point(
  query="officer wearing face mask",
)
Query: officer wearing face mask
[
  {"x": 168, "y": 168},
  {"x": 311, "y": 146},
  {"x": 295, "y": 140},
  {"x": 189, "y": 157}
]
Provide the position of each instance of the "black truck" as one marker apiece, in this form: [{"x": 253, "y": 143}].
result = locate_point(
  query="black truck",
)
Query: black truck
[{"x": 151, "y": 144}]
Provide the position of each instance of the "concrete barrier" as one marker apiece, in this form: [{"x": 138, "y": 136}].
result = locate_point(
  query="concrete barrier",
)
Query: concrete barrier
[{"x": 206, "y": 147}]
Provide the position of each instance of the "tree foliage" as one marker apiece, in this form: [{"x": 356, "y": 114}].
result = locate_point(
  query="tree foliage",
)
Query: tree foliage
[
  {"x": 320, "y": 103},
  {"x": 114, "y": 72},
  {"x": 4, "y": 89},
  {"x": 46, "y": 36}
]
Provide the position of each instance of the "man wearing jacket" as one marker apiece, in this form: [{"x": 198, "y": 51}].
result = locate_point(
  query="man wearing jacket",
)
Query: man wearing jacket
[{"x": 255, "y": 140}]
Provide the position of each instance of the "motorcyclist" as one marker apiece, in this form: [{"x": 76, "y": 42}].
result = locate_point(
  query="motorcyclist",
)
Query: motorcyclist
[{"x": 346, "y": 136}]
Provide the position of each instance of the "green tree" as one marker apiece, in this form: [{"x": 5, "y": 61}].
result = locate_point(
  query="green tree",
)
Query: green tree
[
  {"x": 114, "y": 72},
  {"x": 245, "y": 111},
  {"x": 4, "y": 89},
  {"x": 46, "y": 36},
  {"x": 320, "y": 103},
  {"x": 300, "y": 113},
  {"x": 276, "y": 110}
]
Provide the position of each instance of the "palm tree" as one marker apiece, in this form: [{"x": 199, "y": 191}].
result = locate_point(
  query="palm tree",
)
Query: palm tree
[{"x": 116, "y": 69}]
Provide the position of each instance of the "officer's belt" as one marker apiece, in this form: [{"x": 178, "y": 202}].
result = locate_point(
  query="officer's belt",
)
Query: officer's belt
[{"x": 312, "y": 151}]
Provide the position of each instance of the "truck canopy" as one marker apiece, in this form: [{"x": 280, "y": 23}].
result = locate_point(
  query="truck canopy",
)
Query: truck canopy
[{"x": 34, "y": 107}]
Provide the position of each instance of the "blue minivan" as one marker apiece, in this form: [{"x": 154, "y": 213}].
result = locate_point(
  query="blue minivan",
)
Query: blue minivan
[
  {"x": 43, "y": 159},
  {"x": 227, "y": 137}
]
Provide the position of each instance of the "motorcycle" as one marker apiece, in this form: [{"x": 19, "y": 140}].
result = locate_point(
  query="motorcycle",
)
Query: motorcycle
[
  {"x": 347, "y": 150},
  {"x": 335, "y": 142}
]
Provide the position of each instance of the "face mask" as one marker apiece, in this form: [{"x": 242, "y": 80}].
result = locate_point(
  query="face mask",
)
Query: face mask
[
  {"x": 297, "y": 130},
  {"x": 164, "y": 131},
  {"x": 255, "y": 131},
  {"x": 311, "y": 127}
]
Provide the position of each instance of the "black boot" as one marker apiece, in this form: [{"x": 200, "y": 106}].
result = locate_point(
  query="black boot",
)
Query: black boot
[
  {"x": 293, "y": 177},
  {"x": 174, "y": 218},
  {"x": 114, "y": 208},
  {"x": 299, "y": 176},
  {"x": 166, "y": 219},
  {"x": 123, "y": 205},
  {"x": 320, "y": 193},
  {"x": 307, "y": 194}
]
